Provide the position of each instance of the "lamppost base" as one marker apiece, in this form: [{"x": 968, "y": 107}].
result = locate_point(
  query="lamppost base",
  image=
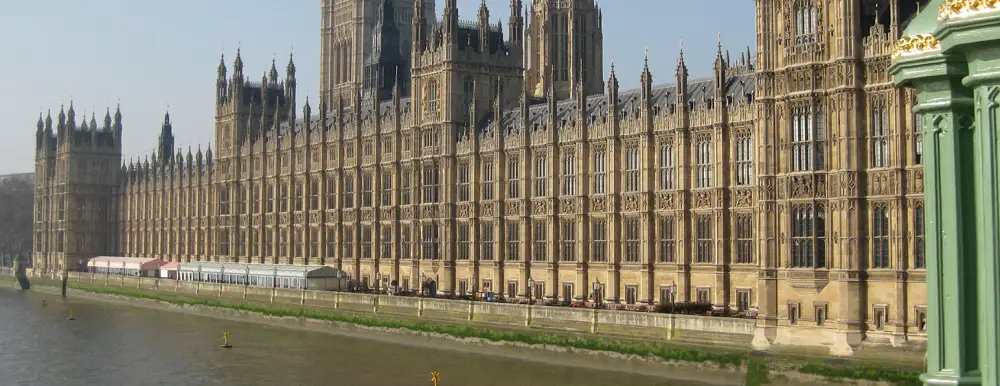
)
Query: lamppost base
[{"x": 950, "y": 378}]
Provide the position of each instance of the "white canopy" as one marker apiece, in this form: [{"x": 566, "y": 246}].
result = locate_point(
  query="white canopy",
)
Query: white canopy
[{"x": 121, "y": 262}]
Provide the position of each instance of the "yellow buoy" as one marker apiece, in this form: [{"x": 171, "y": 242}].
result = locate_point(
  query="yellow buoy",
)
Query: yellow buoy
[
  {"x": 435, "y": 377},
  {"x": 225, "y": 340}
]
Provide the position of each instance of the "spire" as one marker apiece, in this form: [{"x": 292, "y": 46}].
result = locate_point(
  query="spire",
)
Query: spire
[
  {"x": 646, "y": 76},
  {"x": 71, "y": 117},
  {"x": 307, "y": 111},
  {"x": 274, "y": 70},
  {"x": 238, "y": 66},
  {"x": 290, "y": 68},
  {"x": 484, "y": 14},
  {"x": 83, "y": 123},
  {"x": 222, "y": 67},
  {"x": 41, "y": 123},
  {"x": 48, "y": 121},
  {"x": 93, "y": 121},
  {"x": 681, "y": 66},
  {"x": 107, "y": 119}
]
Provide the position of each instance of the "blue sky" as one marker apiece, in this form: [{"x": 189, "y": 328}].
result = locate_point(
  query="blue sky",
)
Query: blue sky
[{"x": 153, "y": 54}]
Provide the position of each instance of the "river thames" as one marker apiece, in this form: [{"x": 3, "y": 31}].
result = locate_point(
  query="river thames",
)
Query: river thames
[{"x": 118, "y": 344}]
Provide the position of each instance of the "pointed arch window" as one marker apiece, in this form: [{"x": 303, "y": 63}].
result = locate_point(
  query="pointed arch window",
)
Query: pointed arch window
[
  {"x": 919, "y": 261},
  {"x": 880, "y": 236},
  {"x": 879, "y": 133},
  {"x": 431, "y": 96},
  {"x": 806, "y": 22},
  {"x": 808, "y": 135},
  {"x": 808, "y": 236}
]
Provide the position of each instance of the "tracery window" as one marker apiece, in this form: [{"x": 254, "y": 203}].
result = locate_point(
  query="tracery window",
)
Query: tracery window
[
  {"x": 918, "y": 138},
  {"x": 632, "y": 169},
  {"x": 486, "y": 233},
  {"x": 348, "y": 191},
  {"x": 405, "y": 241},
  {"x": 744, "y": 159},
  {"x": 703, "y": 162},
  {"x": 632, "y": 254},
  {"x": 431, "y": 236},
  {"x": 386, "y": 188},
  {"x": 488, "y": 178},
  {"x": 468, "y": 96},
  {"x": 879, "y": 133},
  {"x": 432, "y": 98},
  {"x": 568, "y": 240},
  {"x": 808, "y": 136},
  {"x": 432, "y": 183},
  {"x": 463, "y": 182},
  {"x": 808, "y": 236},
  {"x": 541, "y": 176},
  {"x": 599, "y": 240},
  {"x": 919, "y": 261},
  {"x": 513, "y": 177},
  {"x": 386, "y": 237},
  {"x": 703, "y": 236},
  {"x": 600, "y": 163},
  {"x": 464, "y": 243},
  {"x": 569, "y": 175},
  {"x": 405, "y": 187},
  {"x": 513, "y": 241},
  {"x": 348, "y": 233},
  {"x": 806, "y": 22},
  {"x": 880, "y": 236},
  {"x": 667, "y": 237},
  {"x": 367, "y": 185},
  {"x": 541, "y": 241},
  {"x": 744, "y": 238},
  {"x": 667, "y": 166}
]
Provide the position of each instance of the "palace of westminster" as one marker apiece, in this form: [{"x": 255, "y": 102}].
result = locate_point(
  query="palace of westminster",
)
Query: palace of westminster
[{"x": 471, "y": 156}]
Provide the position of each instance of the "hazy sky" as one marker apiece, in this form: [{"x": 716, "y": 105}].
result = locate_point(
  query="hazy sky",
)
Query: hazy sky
[{"x": 153, "y": 54}]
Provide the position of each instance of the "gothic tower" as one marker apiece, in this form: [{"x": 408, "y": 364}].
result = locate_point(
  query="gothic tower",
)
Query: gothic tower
[
  {"x": 568, "y": 36},
  {"x": 348, "y": 37},
  {"x": 832, "y": 123},
  {"x": 386, "y": 65},
  {"x": 76, "y": 197}
]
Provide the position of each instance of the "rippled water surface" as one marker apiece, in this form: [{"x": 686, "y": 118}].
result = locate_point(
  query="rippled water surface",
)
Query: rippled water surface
[{"x": 114, "y": 344}]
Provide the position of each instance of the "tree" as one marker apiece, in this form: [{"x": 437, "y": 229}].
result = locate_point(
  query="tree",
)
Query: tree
[{"x": 17, "y": 199}]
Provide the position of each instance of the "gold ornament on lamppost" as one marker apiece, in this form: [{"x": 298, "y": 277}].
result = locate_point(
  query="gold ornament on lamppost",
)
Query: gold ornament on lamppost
[{"x": 435, "y": 377}]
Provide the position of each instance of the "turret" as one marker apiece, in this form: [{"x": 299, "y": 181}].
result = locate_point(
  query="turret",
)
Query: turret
[
  {"x": 166, "y": 143},
  {"x": 71, "y": 118},
  {"x": 516, "y": 24},
  {"x": 613, "y": 92},
  {"x": 220, "y": 83},
  {"x": 418, "y": 28},
  {"x": 107, "y": 120},
  {"x": 483, "y": 22},
  {"x": 450, "y": 20},
  {"x": 306, "y": 118},
  {"x": 681, "y": 75},
  {"x": 273, "y": 73},
  {"x": 39, "y": 134},
  {"x": 290, "y": 82},
  {"x": 646, "y": 85},
  {"x": 61, "y": 128},
  {"x": 93, "y": 130},
  {"x": 117, "y": 126}
]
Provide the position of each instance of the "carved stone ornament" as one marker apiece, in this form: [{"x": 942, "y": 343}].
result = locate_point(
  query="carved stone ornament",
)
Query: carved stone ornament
[
  {"x": 598, "y": 204},
  {"x": 849, "y": 184},
  {"x": 489, "y": 209},
  {"x": 540, "y": 206},
  {"x": 429, "y": 211},
  {"x": 465, "y": 210},
  {"x": 367, "y": 214},
  {"x": 743, "y": 198},
  {"x": 245, "y": 220},
  {"x": 299, "y": 217},
  {"x": 284, "y": 218},
  {"x": 665, "y": 201},
  {"x": 348, "y": 215},
  {"x": 513, "y": 208},
  {"x": 315, "y": 217},
  {"x": 631, "y": 203},
  {"x": 386, "y": 214},
  {"x": 703, "y": 199},
  {"x": 568, "y": 205},
  {"x": 820, "y": 190},
  {"x": 882, "y": 183},
  {"x": 800, "y": 187},
  {"x": 406, "y": 213},
  {"x": 916, "y": 179}
]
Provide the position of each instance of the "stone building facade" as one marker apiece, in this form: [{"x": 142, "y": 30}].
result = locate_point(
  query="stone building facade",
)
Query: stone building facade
[{"x": 788, "y": 184}]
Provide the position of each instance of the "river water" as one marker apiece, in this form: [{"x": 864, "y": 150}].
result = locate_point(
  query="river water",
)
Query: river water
[{"x": 119, "y": 344}]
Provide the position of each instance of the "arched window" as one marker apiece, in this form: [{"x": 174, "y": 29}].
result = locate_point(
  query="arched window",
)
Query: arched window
[
  {"x": 808, "y": 237},
  {"x": 806, "y": 22},
  {"x": 468, "y": 95},
  {"x": 880, "y": 237},
  {"x": 431, "y": 95},
  {"x": 879, "y": 133}
]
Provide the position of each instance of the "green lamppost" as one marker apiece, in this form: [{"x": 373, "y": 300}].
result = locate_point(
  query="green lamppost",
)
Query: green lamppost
[{"x": 950, "y": 53}]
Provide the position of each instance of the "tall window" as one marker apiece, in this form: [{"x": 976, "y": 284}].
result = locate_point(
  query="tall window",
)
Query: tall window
[
  {"x": 430, "y": 242},
  {"x": 468, "y": 95},
  {"x": 314, "y": 186},
  {"x": 463, "y": 241},
  {"x": 513, "y": 178},
  {"x": 806, "y": 20},
  {"x": 703, "y": 236},
  {"x": 404, "y": 189},
  {"x": 386, "y": 188},
  {"x": 599, "y": 240},
  {"x": 744, "y": 159},
  {"x": 808, "y": 134},
  {"x": 513, "y": 242},
  {"x": 348, "y": 191},
  {"x": 703, "y": 163},
  {"x": 808, "y": 237},
  {"x": 569, "y": 174},
  {"x": 366, "y": 242},
  {"x": 463, "y": 182},
  {"x": 918, "y": 237},
  {"x": 668, "y": 243},
  {"x": 405, "y": 242},
  {"x": 488, "y": 180},
  {"x": 541, "y": 176},
  {"x": 367, "y": 184},
  {"x": 600, "y": 163},
  {"x": 744, "y": 238},
  {"x": 348, "y": 234},
  {"x": 486, "y": 234},
  {"x": 300, "y": 195},
  {"x": 666, "y": 166},
  {"x": 224, "y": 201},
  {"x": 879, "y": 133},
  {"x": 632, "y": 169},
  {"x": 560, "y": 46},
  {"x": 386, "y": 238},
  {"x": 331, "y": 243},
  {"x": 918, "y": 139},
  {"x": 880, "y": 237},
  {"x": 432, "y": 181},
  {"x": 632, "y": 241},
  {"x": 432, "y": 98},
  {"x": 331, "y": 194},
  {"x": 568, "y": 241},
  {"x": 283, "y": 196},
  {"x": 541, "y": 241}
]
